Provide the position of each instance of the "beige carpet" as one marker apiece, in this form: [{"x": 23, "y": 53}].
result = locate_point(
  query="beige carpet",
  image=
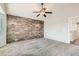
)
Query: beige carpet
[{"x": 39, "y": 47}]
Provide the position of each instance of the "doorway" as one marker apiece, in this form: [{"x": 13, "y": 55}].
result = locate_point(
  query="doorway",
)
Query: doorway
[{"x": 74, "y": 30}]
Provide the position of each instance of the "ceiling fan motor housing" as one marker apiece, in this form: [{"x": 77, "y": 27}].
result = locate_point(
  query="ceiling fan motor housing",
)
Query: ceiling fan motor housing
[{"x": 42, "y": 3}]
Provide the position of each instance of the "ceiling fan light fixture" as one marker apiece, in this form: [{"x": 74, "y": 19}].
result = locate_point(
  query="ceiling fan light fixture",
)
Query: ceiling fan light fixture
[{"x": 42, "y": 11}]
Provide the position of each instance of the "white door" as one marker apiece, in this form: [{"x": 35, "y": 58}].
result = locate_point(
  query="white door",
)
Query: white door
[{"x": 2, "y": 30}]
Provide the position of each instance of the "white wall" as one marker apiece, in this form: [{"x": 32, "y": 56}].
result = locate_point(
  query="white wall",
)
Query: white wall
[
  {"x": 23, "y": 9},
  {"x": 56, "y": 24},
  {"x": 56, "y": 28},
  {"x": 3, "y": 5}
]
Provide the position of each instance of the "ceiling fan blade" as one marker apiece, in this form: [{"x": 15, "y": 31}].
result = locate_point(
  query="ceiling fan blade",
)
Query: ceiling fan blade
[
  {"x": 44, "y": 15},
  {"x": 36, "y": 11},
  {"x": 37, "y": 15},
  {"x": 49, "y": 12}
]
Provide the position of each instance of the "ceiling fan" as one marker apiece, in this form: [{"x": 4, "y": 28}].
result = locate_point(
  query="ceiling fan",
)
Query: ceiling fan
[{"x": 42, "y": 11}]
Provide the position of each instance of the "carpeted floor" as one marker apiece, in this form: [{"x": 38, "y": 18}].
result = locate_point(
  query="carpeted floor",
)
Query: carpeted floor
[{"x": 39, "y": 47}]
